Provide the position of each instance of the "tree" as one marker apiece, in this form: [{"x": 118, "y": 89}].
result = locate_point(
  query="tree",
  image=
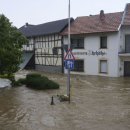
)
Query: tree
[{"x": 11, "y": 41}]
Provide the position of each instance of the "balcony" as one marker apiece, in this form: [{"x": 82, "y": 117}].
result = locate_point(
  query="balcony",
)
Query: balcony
[{"x": 124, "y": 53}]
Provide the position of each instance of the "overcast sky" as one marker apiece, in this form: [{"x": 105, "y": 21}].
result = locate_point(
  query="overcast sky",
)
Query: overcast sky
[{"x": 40, "y": 11}]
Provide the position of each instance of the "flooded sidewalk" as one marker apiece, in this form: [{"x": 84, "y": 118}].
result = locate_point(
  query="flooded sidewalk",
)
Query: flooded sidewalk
[{"x": 97, "y": 103}]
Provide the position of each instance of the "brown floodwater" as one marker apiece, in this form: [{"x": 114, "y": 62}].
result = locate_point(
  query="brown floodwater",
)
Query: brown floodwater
[{"x": 97, "y": 103}]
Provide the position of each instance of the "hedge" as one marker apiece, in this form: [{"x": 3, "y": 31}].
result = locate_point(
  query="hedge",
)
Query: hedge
[{"x": 36, "y": 81}]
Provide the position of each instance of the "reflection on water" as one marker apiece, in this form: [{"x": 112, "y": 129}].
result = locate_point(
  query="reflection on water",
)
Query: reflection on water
[
  {"x": 97, "y": 103},
  {"x": 5, "y": 83}
]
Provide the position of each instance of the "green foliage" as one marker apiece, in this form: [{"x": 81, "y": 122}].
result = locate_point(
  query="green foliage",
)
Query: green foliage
[
  {"x": 11, "y": 41},
  {"x": 5, "y": 76},
  {"x": 36, "y": 81},
  {"x": 19, "y": 82},
  {"x": 33, "y": 75},
  {"x": 39, "y": 82}
]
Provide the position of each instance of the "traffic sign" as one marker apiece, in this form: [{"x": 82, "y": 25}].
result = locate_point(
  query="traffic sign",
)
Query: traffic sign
[
  {"x": 69, "y": 55},
  {"x": 69, "y": 64}
]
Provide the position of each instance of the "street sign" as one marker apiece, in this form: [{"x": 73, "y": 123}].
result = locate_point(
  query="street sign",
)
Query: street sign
[
  {"x": 69, "y": 55},
  {"x": 69, "y": 64}
]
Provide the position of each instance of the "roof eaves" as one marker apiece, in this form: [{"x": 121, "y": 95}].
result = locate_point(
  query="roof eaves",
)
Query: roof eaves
[
  {"x": 113, "y": 31},
  {"x": 123, "y": 17}
]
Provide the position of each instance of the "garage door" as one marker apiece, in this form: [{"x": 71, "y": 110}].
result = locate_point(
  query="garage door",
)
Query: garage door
[{"x": 127, "y": 68}]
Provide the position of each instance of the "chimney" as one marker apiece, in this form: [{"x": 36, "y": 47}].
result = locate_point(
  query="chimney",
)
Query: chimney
[
  {"x": 26, "y": 24},
  {"x": 102, "y": 16}
]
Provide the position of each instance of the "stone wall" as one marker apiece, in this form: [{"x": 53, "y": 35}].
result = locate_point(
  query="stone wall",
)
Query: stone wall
[{"x": 50, "y": 69}]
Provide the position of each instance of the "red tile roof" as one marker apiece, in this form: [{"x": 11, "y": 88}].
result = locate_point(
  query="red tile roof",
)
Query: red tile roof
[
  {"x": 126, "y": 20},
  {"x": 93, "y": 24}
]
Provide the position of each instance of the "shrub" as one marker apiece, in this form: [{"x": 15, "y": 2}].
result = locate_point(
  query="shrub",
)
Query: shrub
[
  {"x": 36, "y": 81},
  {"x": 5, "y": 76},
  {"x": 33, "y": 75},
  {"x": 20, "y": 82},
  {"x": 52, "y": 84}
]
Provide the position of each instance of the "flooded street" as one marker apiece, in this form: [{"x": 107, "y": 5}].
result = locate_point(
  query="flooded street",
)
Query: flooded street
[{"x": 97, "y": 103}]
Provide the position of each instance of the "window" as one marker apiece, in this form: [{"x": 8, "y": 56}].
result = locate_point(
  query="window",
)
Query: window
[
  {"x": 27, "y": 44},
  {"x": 66, "y": 48},
  {"x": 103, "y": 42},
  {"x": 103, "y": 66},
  {"x": 77, "y": 43},
  {"x": 79, "y": 65},
  {"x": 127, "y": 43},
  {"x": 55, "y": 51}
]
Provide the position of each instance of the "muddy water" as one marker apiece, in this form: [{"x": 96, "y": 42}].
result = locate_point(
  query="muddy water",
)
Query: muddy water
[{"x": 97, "y": 103}]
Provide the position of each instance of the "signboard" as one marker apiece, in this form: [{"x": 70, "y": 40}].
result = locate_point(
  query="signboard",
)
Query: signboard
[
  {"x": 90, "y": 53},
  {"x": 69, "y": 60},
  {"x": 69, "y": 55},
  {"x": 69, "y": 64}
]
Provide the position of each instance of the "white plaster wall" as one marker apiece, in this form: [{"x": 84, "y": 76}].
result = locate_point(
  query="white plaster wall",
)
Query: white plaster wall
[
  {"x": 46, "y": 47},
  {"x": 123, "y": 31},
  {"x": 91, "y": 62},
  {"x": 30, "y": 47},
  {"x": 92, "y": 43}
]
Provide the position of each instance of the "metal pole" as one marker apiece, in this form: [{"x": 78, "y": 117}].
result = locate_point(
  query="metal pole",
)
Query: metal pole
[{"x": 68, "y": 79}]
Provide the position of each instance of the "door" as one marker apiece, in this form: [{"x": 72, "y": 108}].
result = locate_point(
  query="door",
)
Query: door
[
  {"x": 127, "y": 68},
  {"x": 127, "y": 43}
]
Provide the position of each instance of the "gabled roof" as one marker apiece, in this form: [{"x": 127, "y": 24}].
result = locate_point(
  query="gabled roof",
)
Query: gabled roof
[
  {"x": 110, "y": 22},
  {"x": 44, "y": 29},
  {"x": 126, "y": 16},
  {"x": 94, "y": 24}
]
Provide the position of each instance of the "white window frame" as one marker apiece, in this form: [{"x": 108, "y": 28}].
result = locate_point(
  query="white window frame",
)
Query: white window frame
[
  {"x": 101, "y": 47},
  {"x": 100, "y": 69}
]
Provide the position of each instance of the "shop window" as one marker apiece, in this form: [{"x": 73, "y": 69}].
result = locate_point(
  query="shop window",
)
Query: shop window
[
  {"x": 79, "y": 65},
  {"x": 77, "y": 43},
  {"x": 103, "y": 66},
  {"x": 103, "y": 42}
]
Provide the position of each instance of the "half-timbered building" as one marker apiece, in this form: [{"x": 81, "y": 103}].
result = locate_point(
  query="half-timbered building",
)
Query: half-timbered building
[{"x": 44, "y": 50}]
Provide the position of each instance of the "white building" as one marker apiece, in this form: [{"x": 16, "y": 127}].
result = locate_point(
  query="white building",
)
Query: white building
[{"x": 101, "y": 44}]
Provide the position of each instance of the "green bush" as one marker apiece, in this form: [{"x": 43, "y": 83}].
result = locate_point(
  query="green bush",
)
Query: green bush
[
  {"x": 20, "y": 82},
  {"x": 5, "y": 76},
  {"x": 52, "y": 84},
  {"x": 36, "y": 81},
  {"x": 39, "y": 82},
  {"x": 33, "y": 75}
]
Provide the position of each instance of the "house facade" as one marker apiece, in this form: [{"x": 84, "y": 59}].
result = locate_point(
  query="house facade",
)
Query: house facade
[
  {"x": 45, "y": 46},
  {"x": 101, "y": 44}
]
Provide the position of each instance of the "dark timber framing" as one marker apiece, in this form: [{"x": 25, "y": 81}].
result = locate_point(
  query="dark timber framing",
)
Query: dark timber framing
[
  {"x": 43, "y": 48},
  {"x": 46, "y": 43},
  {"x": 44, "y": 54}
]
